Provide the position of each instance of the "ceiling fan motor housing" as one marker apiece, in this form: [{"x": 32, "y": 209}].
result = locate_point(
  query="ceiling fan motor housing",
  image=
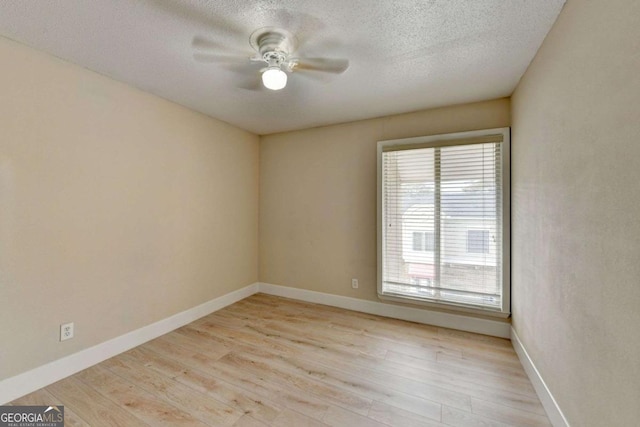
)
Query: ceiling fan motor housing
[
  {"x": 274, "y": 58},
  {"x": 273, "y": 44}
]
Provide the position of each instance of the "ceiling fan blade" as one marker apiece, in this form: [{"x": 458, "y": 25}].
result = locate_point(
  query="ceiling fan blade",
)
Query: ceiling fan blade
[
  {"x": 326, "y": 65},
  {"x": 209, "y": 58},
  {"x": 252, "y": 84},
  {"x": 202, "y": 43},
  {"x": 322, "y": 78}
]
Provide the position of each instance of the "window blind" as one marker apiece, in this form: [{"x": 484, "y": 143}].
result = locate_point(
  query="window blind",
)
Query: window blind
[{"x": 453, "y": 191}]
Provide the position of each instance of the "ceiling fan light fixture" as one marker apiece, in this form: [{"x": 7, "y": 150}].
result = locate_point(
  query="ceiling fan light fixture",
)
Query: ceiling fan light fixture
[{"x": 274, "y": 78}]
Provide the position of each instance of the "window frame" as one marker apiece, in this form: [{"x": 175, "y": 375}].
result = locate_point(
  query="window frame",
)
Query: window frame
[{"x": 440, "y": 141}]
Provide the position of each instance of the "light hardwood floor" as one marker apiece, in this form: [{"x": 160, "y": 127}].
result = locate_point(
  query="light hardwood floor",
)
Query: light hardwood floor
[{"x": 273, "y": 361}]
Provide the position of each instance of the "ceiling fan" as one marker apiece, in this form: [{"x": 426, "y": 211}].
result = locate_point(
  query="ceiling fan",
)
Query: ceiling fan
[{"x": 275, "y": 47}]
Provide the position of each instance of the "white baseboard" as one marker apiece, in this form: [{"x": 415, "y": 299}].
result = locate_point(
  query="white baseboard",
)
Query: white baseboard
[
  {"x": 550, "y": 405},
  {"x": 25, "y": 383},
  {"x": 436, "y": 318}
]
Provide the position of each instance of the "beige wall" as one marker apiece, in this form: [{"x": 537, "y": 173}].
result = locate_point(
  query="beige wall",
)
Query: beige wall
[
  {"x": 576, "y": 212},
  {"x": 117, "y": 208},
  {"x": 318, "y": 195}
]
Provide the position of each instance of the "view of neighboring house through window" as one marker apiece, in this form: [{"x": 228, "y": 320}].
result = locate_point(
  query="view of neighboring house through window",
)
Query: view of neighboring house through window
[
  {"x": 423, "y": 241},
  {"x": 478, "y": 241},
  {"x": 443, "y": 217}
]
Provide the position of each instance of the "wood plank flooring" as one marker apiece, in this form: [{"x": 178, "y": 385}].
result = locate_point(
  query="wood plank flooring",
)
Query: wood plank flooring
[{"x": 270, "y": 361}]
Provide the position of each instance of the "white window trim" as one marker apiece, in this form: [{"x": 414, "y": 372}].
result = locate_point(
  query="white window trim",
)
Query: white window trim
[{"x": 505, "y": 310}]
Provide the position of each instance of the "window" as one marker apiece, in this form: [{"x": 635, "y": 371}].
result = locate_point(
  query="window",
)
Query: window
[
  {"x": 423, "y": 241},
  {"x": 443, "y": 220},
  {"x": 478, "y": 241}
]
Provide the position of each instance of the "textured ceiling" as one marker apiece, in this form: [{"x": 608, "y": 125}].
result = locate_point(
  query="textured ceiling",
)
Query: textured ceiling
[{"x": 405, "y": 55}]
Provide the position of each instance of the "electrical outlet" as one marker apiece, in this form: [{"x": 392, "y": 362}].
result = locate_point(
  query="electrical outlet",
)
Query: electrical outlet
[
  {"x": 354, "y": 283},
  {"x": 66, "y": 331}
]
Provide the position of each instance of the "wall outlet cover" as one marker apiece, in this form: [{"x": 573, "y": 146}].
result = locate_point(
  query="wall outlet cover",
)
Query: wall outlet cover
[{"x": 66, "y": 331}]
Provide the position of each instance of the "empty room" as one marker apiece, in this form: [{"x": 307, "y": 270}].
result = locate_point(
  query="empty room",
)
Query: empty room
[{"x": 319, "y": 213}]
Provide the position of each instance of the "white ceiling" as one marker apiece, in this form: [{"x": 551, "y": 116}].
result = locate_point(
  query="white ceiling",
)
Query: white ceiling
[{"x": 405, "y": 55}]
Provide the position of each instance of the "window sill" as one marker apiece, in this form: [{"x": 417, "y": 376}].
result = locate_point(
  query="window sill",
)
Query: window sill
[{"x": 496, "y": 313}]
